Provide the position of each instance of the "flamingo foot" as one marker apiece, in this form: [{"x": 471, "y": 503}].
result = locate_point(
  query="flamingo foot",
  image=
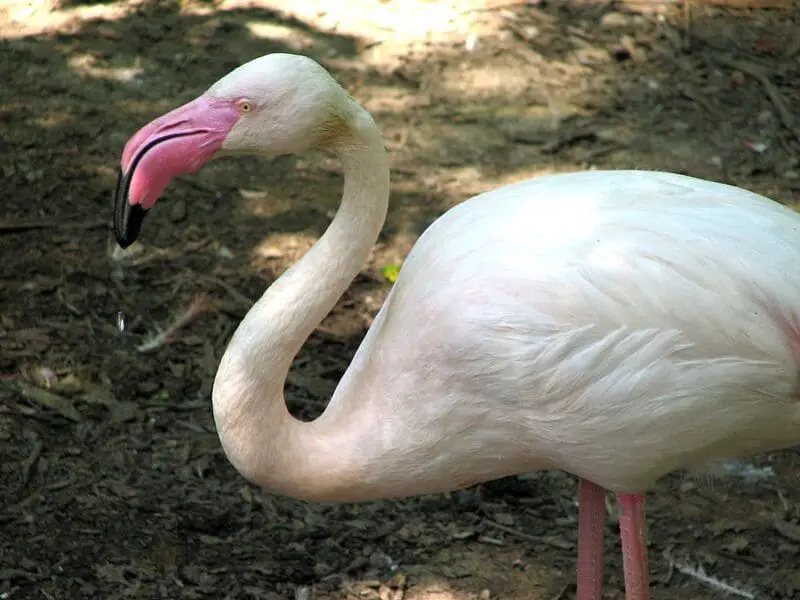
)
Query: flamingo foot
[
  {"x": 633, "y": 531},
  {"x": 591, "y": 526}
]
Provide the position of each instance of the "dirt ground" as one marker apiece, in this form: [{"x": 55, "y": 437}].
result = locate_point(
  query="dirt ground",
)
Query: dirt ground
[{"x": 112, "y": 480}]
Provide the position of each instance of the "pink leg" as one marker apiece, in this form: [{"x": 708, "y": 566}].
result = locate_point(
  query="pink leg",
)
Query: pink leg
[
  {"x": 591, "y": 525},
  {"x": 633, "y": 531}
]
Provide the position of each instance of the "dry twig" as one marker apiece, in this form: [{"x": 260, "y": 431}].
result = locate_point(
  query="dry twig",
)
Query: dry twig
[
  {"x": 238, "y": 296},
  {"x": 29, "y": 463},
  {"x": 7, "y": 226},
  {"x": 199, "y": 305},
  {"x": 60, "y": 404},
  {"x": 707, "y": 579},
  {"x": 561, "y": 594},
  {"x": 775, "y": 97},
  {"x": 523, "y": 536}
]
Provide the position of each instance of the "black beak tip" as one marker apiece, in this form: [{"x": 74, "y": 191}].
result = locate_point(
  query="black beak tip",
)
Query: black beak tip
[
  {"x": 128, "y": 218},
  {"x": 132, "y": 220}
]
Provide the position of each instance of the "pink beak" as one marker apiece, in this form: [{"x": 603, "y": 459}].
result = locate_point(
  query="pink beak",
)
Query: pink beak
[{"x": 177, "y": 143}]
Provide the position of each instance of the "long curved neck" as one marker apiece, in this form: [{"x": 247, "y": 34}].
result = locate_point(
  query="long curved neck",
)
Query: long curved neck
[{"x": 259, "y": 436}]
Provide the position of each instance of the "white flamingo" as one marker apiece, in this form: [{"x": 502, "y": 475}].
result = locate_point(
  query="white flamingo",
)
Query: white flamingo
[{"x": 618, "y": 325}]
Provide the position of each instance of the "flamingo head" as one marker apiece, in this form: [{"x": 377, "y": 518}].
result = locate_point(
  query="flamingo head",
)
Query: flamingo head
[{"x": 273, "y": 105}]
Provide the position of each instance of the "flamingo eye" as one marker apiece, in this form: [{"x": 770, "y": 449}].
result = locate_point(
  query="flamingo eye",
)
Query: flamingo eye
[{"x": 245, "y": 106}]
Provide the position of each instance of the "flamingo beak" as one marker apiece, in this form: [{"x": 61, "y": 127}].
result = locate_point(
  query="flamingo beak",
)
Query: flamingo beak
[
  {"x": 128, "y": 218},
  {"x": 177, "y": 143}
]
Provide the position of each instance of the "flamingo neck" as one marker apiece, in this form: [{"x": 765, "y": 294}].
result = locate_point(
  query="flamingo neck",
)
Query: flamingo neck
[{"x": 260, "y": 438}]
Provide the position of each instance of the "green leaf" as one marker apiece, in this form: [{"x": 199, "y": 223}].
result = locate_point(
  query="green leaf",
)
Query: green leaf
[{"x": 391, "y": 272}]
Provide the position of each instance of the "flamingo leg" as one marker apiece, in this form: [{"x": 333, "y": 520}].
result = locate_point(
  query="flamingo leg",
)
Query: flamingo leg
[
  {"x": 591, "y": 525},
  {"x": 633, "y": 531}
]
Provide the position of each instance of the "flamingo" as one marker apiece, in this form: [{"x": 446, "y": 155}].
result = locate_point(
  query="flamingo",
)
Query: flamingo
[{"x": 618, "y": 325}]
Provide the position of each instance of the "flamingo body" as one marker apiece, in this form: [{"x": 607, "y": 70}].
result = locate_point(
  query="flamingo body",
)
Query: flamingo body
[
  {"x": 585, "y": 322},
  {"x": 614, "y": 324}
]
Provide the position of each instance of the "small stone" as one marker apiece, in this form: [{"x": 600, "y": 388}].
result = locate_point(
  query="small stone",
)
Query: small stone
[
  {"x": 322, "y": 569},
  {"x": 764, "y": 117},
  {"x": 178, "y": 212},
  {"x": 592, "y": 56},
  {"x": 504, "y": 519},
  {"x": 147, "y": 387},
  {"x": 613, "y": 20}
]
